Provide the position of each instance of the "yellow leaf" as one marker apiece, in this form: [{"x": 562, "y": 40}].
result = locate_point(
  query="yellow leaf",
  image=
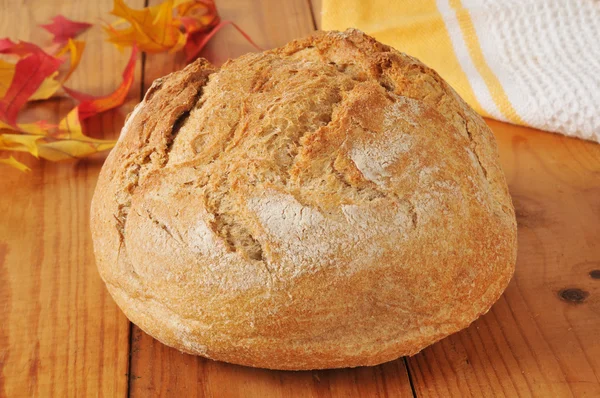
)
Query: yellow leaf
[
  {"x": 47, "y": 89},
  {"x": 55, "y": 143},
  {"x": 70, "y": 128},
  {"x": 20, "y": 143},
  {"x": 177, "y": 3},
  {"x": 37, "y": 128},
  {"x": 75, "y": 49},
  {"x": 5, "y": 126},
  {"x": 180, "y": 44},
  {"x": 70, "y": 149},
  {"x": 14, "y": 163},
  {"x": 7, "y": 71}
]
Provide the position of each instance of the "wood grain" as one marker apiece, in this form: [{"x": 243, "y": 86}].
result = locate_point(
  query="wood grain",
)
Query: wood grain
[
  {"x": 315, "y": 6},
  {"x": 60, "y": 332},
  {"x": 541, "y": 338}
]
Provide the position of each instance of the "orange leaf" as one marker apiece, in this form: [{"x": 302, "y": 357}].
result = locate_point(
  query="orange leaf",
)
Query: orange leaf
[
  {"x": 152, "y": 29},
  {"x": 10, "y": 161},
  {"x": 7, "y": 71},
  {"x": 198, "y": 16},
  {"x": 30, "y": 72},
  {"x": 90, "y": 105},
  {"x": 65, "y": 29},
  {"x": 155, "y": 29}
]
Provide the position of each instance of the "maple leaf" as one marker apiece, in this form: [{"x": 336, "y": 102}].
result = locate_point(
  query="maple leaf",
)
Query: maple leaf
[
  {"x": 155, "y": 29},
  {"x": 65, "y": 29},
  {"x": 29, "y": 73},
  {"x": 42, "y": 139},
  {"x": 152, "y": 29}
]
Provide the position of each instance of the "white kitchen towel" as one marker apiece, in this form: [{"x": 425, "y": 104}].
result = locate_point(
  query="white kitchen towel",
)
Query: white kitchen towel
[{"x": 527, "y": 62}]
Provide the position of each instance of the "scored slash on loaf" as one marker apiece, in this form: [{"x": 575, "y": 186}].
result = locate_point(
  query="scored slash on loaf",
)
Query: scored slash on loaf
[{"x": 330, "y": 203}]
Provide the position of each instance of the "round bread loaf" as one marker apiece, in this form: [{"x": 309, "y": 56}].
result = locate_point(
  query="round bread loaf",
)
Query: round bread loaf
[{"x": 330, "y": 203}]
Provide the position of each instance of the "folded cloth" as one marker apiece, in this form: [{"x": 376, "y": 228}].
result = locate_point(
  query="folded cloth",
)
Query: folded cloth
[{"x": 527, "y": 62}]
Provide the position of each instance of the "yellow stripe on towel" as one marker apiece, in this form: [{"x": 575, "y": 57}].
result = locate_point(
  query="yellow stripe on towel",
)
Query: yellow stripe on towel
[{"x": 494, "y": 86}]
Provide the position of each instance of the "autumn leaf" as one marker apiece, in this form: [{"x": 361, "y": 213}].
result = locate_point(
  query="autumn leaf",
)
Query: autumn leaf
[
  {"x": 29, "y": 73},
  {"x": 20, "y": 49},
  {"x": 20, "y": 143},
  {"x": 7, "y": 71},
  {"x": 11, "y": 161},
  {"x": 48, "y": 87},
  {"x": 42, "y": 139},
  {"x": 90, "y": 105},
  {"x": 51, "y": 84},
  {"x": 66, "y": 141},
  {"x": 41, "y": 127},
  {"x": 155, "y": 29},
  {"x": 198, "y": 16},
  {"x": 75, "y": 49},
  {"x": 64, "y": 29},
  {"x": 152, "y": 29},
  {"x": 69, "y": 142}
]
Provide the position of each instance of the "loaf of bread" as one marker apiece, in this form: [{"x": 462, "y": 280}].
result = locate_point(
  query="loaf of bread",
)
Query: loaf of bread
[{"x": 330, "y": 203}]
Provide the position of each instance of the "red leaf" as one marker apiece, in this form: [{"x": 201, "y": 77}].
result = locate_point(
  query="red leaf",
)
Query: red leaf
[
  {"x": 6, "y": 44},
  {"x": 198, "y": 40},
  {"x": 30, "y": 72},
  {"x": 19, "y": 49},
  {"x": 90, "y": 105},
  {"x": 64, "y": 29}
]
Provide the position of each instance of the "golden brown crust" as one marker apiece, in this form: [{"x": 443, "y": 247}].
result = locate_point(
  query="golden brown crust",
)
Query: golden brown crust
[{"x": 330, "y": 203}]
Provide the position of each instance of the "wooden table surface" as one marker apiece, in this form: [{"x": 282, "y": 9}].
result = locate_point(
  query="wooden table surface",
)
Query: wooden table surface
[{"x": 62, "y": 335}]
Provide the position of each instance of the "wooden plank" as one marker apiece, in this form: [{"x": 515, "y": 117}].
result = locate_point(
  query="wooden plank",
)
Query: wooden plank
[
  {"x": 60, "y": 332},
  {"x": 316, "y": 7},
  {"x": 157, "y": 370},
  {"x": 540, "y": 339}
]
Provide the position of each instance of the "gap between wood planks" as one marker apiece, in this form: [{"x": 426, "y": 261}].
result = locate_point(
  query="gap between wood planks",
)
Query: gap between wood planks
[{"x": 131, "y": 325}]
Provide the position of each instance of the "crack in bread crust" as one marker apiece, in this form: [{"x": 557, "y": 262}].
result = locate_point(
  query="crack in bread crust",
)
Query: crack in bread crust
[{"x": 157, "y": 135}]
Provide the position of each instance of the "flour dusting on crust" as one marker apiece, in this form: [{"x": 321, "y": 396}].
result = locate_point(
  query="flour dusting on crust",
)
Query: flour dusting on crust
[
  {"x": 375, "y": 153},
  {"x": 303, "y": 233}
]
